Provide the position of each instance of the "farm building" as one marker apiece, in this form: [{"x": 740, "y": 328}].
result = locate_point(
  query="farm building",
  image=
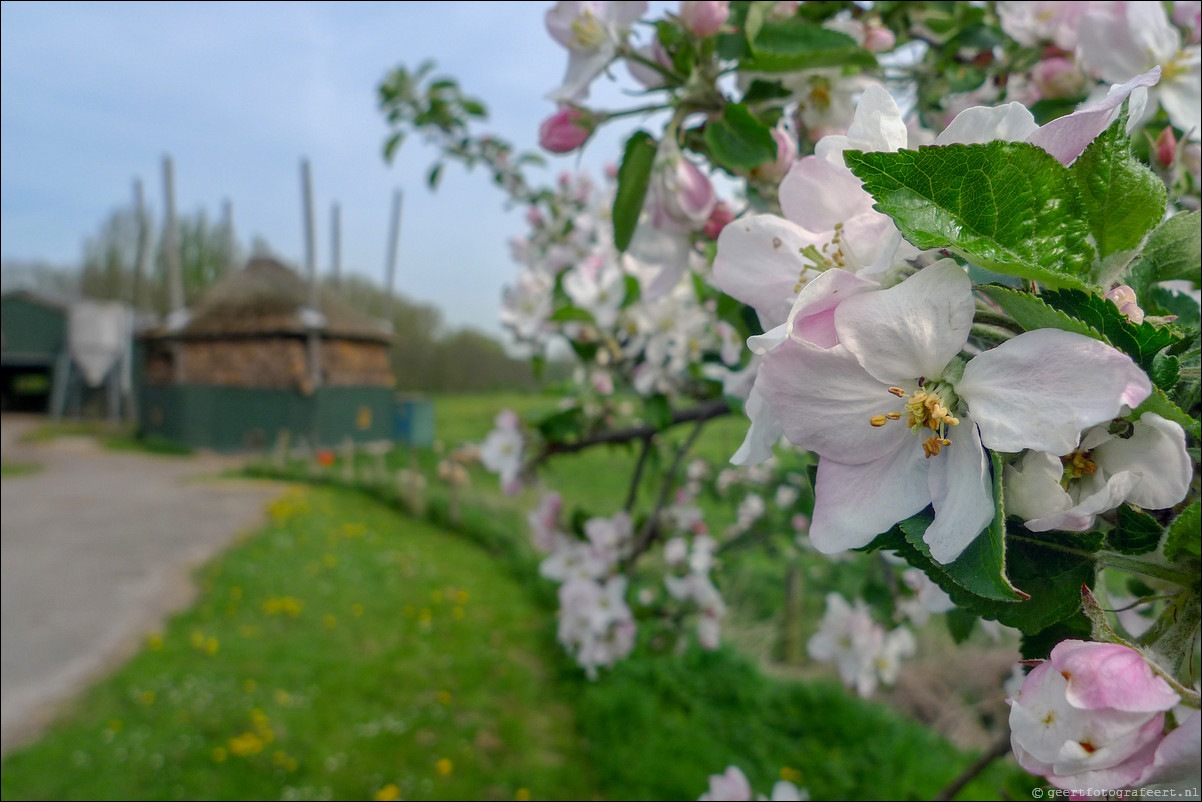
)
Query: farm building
[
  {"x": 66, "y": 357},
  {"x": 253, "y": 359},
  {"x": 34, "y": 338}
]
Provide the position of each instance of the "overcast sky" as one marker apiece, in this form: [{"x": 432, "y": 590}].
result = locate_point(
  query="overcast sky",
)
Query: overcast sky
[{"x": 93, "y": 95}]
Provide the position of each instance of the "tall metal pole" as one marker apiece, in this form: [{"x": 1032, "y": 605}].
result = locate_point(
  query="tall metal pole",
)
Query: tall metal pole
[
  {"x": 175, "y": 279},
  {"x": 394, "y": 238},
  {"x": 227, "y": 236},
  {"x": 314, "y": 335},
  {"x": 336, "y": 244}
]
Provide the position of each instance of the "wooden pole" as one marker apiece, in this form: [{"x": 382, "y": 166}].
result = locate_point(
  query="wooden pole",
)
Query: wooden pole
[
  {"x": 175, "y": 278},
  {"x": 142, "y": 255},
  {"x": 336, "y": 244}
]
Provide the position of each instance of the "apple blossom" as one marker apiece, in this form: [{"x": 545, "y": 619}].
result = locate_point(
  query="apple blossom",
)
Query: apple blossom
[
  {"x": 1149, "y": 467},
  {"x": 1033, "y": 23},
  {"x": 1121, "y": 39},
  {"x": 1038, "y": 390},
  {"x": 1091, "y": 717},
  {"x": 591, "y": 30},
  {"x": 863, "y": 653}
]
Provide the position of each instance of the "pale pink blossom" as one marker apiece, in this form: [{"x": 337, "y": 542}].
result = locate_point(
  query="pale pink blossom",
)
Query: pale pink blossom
[
  {"x": 704, "y": 17},
  {"x": 592, "y": 31},
  {"x": 1091, "y": 717},
  {"x": 895, "y": 355}
]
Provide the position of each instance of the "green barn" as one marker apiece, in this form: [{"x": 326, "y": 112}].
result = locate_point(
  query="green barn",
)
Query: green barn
[
  {"x": 252, "y": 361},
  {"x": 33, "y": 340}
]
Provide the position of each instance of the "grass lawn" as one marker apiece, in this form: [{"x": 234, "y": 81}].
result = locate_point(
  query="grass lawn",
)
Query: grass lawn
[
  {"x": 350, "y": 652},
  {"x": 344, "y": 652}
]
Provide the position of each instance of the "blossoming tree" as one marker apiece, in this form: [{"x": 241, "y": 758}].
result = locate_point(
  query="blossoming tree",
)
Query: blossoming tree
[{"x": 962, "y": 253}]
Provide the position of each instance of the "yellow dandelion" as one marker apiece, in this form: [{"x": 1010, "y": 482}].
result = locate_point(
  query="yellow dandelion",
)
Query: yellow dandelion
[
  {"x": 211, "y": 645},
  {"x": 388, "y": 793},
  {"x": 329, "y": 560},
  {"x": 282, "y": 697},
  {"x": 444, "y": 766},
  {"x": 246, "y": 744},
  {"x": 115, "y": 724},
  {"x": 147, "y": 698},
  {"x": 425, "y": 617},
  {"x": 197, "y": 639},
  {"x": 249, "y": 685},
  {"x": 522, "y": 795},
  {"x": 328, "y": 621},
  {"x": 444, "y": 697},
  {"x": 790, "y": 775},
  {"x": 281, "y": 759},
  {"x": 461, "y": 596},
  {"x": 357, "y": 610},
  {"x": 154, "y": 641},
  {"x": 219, "y": 754},
  {"x": 458, "y": 613}
]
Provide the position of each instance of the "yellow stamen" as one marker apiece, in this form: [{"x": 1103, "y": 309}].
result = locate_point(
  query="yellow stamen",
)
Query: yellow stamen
[
  {"x": 897, "y": 391},
  {"x": 879, "y": 420}
]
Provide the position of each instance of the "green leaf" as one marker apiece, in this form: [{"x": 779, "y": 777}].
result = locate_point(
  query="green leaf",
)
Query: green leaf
[
  {"x": 1123, "y": 198},
  {"x": 657, "y": 411},
  {"x": 561, "y": 426},
  {"x": 1008, "y": 206},
  {"x": 434, "y": 175},
  {"x": 791, "y": 45},
  {"x": 765, "y": 90},
  {"x": 1141, "y": 342},
  {"x": 981, "y": 568},
  {"x": 1166, "y": 370},
  {"x": 1159, "y": 300},
  {"x": 738, "y": 141},
  {"x": 1173, "y": 251},
  {"x": 571, "y": 313},
  {"x": 960, "y": 623},
  {"x": 634, "y": 291},
  {"x": 634, "y": 176},
  {"x": 1049, "y": 572},
  {"x": 1183, "y": 537},
  {"x": 1039, "y": 645},
  {"x": 1136, "y": 532},
  {"x": 1030, "y": 312},
  {"x": 1159, "y": 403}
]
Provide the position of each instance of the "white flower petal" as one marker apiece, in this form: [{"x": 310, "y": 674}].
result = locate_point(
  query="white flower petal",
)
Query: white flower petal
[
  {"x": 1067, "y": 137},
  {"x": 961, "y": 489},
  {"x": 825, "y": 400},
  {"x": 1156, "y": 454},
  {"x": 762, "y": 434},
  {"x": 1080, "y": 517},
  {"x": 1041, "y": 389},
  {"x": 812, "y": 318},
  {"x": 855, "y": 503},
  {"x": 979, "y": 125},
  {"x": 1032, "y": 486},
  {"x": 816, "y": 194},
  {"x": 759, "y": 262},
  {"x": 911, "y": 330}
]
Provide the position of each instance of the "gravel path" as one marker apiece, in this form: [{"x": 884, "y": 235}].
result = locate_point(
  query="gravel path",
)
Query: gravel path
[{"x": 96, "y": 549}]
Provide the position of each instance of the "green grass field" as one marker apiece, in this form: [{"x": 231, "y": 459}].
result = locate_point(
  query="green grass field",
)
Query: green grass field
[{"x": 350, "y": 651}]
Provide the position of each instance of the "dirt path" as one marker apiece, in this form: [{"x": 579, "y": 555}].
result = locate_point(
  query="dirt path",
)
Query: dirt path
[{"x": 96, "y": 550}]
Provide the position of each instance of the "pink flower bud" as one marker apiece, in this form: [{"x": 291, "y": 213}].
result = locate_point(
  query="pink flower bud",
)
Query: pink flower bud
[
  {"x": 1057, "y": 77},
  {"x": 1166, "y": 146},
  {"x": 704, "y": 17},
  {"x": 878, "y": 39},
  {"x": 684, "y": 196},
  {"x": 786, "y": 154},
  {"x": 534, "y": 217},
  {"x": 1091, "y": 717},
  {"x": 565, "y": 130},
  {"x": 1124, "y": 298},
  {"x": 719, "y": 217}
]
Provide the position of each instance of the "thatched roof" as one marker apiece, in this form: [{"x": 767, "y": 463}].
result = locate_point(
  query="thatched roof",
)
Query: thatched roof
[{"x": 266, "y": 298}]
